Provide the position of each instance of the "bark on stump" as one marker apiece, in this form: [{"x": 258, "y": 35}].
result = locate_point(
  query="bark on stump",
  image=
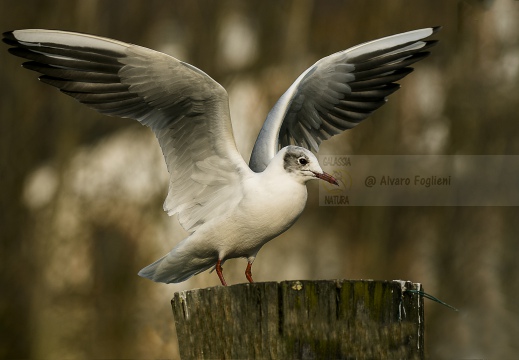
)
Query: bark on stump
[{"x": 334, "y": 319}]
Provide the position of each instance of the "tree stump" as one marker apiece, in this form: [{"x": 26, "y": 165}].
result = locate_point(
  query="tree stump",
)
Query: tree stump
[{"x": 328, "y": 319}]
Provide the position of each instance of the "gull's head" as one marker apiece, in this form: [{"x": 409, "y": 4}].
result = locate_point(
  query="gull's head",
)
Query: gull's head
[{"x": 302, "y": 164}]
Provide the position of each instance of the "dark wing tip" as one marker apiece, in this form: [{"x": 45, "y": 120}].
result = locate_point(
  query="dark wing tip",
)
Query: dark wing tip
[
  {"x": 8, "y": 34},
  {"x": 435, "y": 29},
  {"x": 9, "y": 38},
  {"x": 430, "y": 43}
]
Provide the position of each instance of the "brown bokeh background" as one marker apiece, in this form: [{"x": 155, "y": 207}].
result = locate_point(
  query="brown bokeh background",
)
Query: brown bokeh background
[{"x": 81, "y": 193}]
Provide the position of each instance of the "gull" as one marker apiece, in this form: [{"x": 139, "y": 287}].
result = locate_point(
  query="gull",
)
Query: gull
[{"x": 229, "y": 209}]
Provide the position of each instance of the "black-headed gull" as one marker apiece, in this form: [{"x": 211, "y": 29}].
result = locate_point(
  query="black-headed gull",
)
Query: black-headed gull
[{"x": 230, "y": 209}]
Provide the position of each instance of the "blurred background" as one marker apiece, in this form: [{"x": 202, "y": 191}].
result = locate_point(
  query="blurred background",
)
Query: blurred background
[{"x": 81, "y": 200}]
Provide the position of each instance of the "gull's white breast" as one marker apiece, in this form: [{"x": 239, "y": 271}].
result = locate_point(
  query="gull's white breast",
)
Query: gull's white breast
[{"x": 270, "y": 206}]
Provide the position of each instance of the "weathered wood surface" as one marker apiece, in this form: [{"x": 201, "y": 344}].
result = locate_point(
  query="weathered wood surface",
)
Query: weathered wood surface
[{"x": 330, "y": 319}]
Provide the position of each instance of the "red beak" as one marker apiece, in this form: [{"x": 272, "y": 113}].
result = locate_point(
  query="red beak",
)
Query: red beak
[{"x": 326, "y": 177}]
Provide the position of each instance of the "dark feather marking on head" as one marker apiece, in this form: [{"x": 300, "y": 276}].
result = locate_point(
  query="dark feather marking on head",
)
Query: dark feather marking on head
[{"x": 291, "y": 159}]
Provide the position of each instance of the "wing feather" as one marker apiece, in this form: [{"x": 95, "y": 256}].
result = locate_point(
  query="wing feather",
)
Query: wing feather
[
  {"x": 338, "y": 92},
  {"x": 186, "y": 109}
]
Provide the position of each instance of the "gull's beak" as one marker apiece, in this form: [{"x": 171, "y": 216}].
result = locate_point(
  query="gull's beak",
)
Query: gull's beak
[{"x": 326, "y": 177}]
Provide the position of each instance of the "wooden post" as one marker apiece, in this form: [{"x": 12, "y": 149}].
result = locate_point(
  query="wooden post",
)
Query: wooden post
[{"x": 329, "y": 319}]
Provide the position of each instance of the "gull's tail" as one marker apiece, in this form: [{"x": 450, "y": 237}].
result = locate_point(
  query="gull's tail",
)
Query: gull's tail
[{"x": 176, "y": 266}]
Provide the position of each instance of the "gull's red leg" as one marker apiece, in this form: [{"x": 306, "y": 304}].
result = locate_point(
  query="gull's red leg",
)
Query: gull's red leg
[
  {"x": 248, "y": 272},
  {"x": 219, "y": 272}
]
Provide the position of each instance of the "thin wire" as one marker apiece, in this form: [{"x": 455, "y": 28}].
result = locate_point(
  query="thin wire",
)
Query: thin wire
[{"x": 430, "y": 297}]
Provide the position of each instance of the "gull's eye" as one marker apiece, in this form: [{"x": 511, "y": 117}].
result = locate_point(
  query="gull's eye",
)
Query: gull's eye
[{"x": 303, "y": 161}]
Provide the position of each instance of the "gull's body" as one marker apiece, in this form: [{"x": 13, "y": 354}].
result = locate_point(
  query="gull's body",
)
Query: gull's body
[
  {"x": 230, "y": 209},
  {"x": 272, "y": 202}
]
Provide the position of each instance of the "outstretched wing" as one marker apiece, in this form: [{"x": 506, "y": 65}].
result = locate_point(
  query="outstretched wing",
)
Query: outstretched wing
[
  {"x": 186, "y": 109},
  {"x": 337, "y": 93}
]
